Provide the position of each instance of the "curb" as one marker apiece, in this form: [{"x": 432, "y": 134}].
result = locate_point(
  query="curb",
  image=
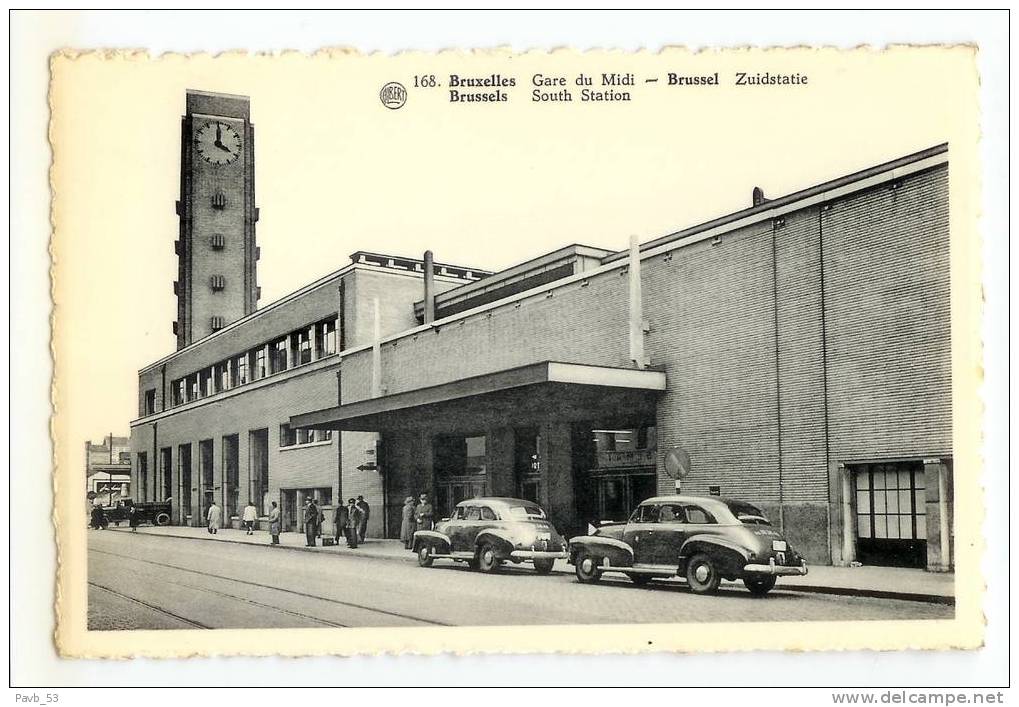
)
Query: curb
[{"x": 375, "y": 555}]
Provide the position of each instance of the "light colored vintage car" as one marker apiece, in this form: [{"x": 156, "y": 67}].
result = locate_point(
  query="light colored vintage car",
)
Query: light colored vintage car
[
  {"x": 704, "y": 539},
  {"x": 485, "y": 532}
]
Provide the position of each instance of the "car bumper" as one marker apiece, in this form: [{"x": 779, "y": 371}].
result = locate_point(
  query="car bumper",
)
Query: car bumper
[
  {"x": 778, "y": 570},
  {"x": 537, "y": 555}
]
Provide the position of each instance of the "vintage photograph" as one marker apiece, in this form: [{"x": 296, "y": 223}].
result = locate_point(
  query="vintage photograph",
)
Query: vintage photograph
[{"x": 515, "y": 340}]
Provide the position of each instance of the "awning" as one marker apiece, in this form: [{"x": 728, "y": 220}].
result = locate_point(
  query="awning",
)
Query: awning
[{"x": 503, "y": 390}]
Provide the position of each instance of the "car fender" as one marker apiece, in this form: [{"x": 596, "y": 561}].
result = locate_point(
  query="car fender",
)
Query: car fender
[
  {"x": 501, "y": 540},
  {"x": 619, "y": 553},
  {"x": 440, "y": 543},
  {"x": 729, "y": 554}
]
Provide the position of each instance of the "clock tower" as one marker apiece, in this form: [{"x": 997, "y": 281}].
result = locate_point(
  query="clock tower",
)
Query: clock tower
[{"x": 216, "y": 251}]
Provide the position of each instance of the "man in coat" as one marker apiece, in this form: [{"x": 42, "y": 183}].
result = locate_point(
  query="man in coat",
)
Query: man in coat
[
  {"x": 214, "y": 518},
  {"x": 407, "y": 523},
  {"x": 274, "y": 523},
  {"x": 311, "y": 523},
  {"x": 353, "y": 523},
  {"x": 424, "y": 513},
  {"x": 340, "y": 519},
  {"x": 362, "y": 528}
]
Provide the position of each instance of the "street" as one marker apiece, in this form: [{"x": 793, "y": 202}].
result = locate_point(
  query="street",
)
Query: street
[{"x": 139, "y": 581}]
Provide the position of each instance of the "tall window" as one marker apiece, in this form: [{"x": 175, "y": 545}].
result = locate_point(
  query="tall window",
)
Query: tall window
[
  {"x": 240, "y": 370},
  {"x": 279, "y": 355},
  {"x": 288, "y": 437},
  {"x": 150, "y": 402},
  {"x": 193, "y": 390},
  {"x": 258, "y": 370},
  {"x": 222, "y": 376},
  {"x": 325, "y": 338},
  {"x": 206, "y": 378},
  {"x": 179, "y": 391},
  {"x": 304, "y": 347}
]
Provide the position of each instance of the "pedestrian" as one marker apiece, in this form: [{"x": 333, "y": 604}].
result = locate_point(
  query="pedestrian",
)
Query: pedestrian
[
  {"x": 424, "y": 513},
  {"x": 340, "y": 518},
  {"x": 249, "y": 517},
  {"x": 353, "y": 523},
  {"x": 311, "y": 523},
  {"x": 133, "y": 519},
  {"x": 274, "y": 523},
  {"x": 214, "y": 518},
  {"x": 407, "y": 523},
  {"x": 362, "y": 529}
]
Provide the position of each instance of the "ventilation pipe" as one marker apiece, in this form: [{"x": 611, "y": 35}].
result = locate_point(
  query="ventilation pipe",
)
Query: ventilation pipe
[
  {"x": 758, "y": 196},
  {"x": 636, "y": 307},
  {"x": 429, "y": 287}
]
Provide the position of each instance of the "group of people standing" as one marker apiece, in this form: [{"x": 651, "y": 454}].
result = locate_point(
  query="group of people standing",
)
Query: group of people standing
[
  {"x": 351, "y": 520},
  {"x": 416, "y": 516}
]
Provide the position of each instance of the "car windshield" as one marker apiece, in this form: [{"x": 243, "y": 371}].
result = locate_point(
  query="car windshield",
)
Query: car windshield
[
  {"x": 747, "y": 514},
  {"x": 525, "y": 512}
]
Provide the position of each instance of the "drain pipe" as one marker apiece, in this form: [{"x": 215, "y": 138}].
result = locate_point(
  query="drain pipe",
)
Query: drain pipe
[
  {"x": 429, "y": 287},
  {"x": 636, "y": 307}
]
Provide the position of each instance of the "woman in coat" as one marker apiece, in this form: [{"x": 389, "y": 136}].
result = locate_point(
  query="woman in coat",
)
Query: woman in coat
[{"x": 408, "y": 524}]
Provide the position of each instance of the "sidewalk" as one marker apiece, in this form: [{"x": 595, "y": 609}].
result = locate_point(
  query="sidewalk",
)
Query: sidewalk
[{"x": 877, "y": 582}]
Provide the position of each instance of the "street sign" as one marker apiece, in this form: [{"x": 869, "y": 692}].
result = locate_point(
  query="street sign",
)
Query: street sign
[{"x": 677, "y": 463}]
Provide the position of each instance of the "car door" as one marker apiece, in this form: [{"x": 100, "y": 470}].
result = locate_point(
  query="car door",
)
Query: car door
[
  {"x": 670, "y": 531},
  {"x": 467, "y": 529},
  {"x": 639, "y": 533}
]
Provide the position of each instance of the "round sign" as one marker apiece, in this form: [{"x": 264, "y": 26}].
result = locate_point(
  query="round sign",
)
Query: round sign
[{"x": 677, "y": 463}]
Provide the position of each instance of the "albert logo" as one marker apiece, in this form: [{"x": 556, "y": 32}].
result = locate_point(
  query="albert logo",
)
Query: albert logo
[{"x": 393, "y": 95}]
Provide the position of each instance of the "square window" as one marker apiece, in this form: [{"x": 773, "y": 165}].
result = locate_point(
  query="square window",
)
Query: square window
[
  {"x": 880, "y": 529},
  {"x": 879, "y": 502},
  {"x": 892, "y": 501},
  {"x": 893, "y": 527},
  {"x": 904, "y": 478},
  {"x": 906, "y": 527},
  {"x": 862, "y": 480},
  {"x": 863, "y": 501},
  {"x": 905, "y": 502},
  {"x": 879, "y": 479},
  {"x": 863, "y": 526}
]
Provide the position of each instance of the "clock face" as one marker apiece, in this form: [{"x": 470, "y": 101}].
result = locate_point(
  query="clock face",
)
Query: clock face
[{"x": 218, "y": 143}]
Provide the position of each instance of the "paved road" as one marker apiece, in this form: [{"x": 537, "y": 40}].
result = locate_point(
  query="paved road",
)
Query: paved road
[{"x": 152, "y": 582}]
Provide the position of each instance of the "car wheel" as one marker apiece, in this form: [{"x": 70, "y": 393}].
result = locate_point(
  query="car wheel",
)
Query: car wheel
[
  {"x": 543, "y": 566},
  {"x": 587, "y": 568},
  {"x": 425, "y": 558},
  {"x": 488, "y": 560},
  {"x": 639, "y": 579},
  {"x": 759, "y": 586},
  {"x": 161, "y": 519},
  {"x": 701, "y": 575}
]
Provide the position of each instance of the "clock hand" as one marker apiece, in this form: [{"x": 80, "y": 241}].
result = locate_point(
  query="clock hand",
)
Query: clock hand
[{"x": 219, "y": 133}]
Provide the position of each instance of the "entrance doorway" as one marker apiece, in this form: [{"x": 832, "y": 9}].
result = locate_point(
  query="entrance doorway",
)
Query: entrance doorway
[
  {"x": 231, "y": 476},
  {"x": 184, "y": 474},
  {"x": 619, "y": 494},
  {"x": 527, "y": 463},
  {"x": 891, "y": 514},
  {"x": 258, "y": 472},
  {"x": 205, "y": 474},
  {"x": 460, "y": 470},
  {"x": 166, "y": 469}
]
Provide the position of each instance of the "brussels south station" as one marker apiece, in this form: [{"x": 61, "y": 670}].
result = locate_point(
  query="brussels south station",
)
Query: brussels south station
[{"x": 798, "y": 351}]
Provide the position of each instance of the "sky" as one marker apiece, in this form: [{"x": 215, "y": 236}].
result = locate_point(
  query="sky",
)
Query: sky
[{"x": 486, "y": 186}]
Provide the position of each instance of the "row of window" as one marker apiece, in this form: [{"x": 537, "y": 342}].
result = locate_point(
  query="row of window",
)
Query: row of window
[
  {"x": 291, "y": 437},
  {"x": 295, "y": 349}
]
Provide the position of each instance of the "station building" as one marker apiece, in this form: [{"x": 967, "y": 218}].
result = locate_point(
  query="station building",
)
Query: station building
[{"x": 798, "y": 352}]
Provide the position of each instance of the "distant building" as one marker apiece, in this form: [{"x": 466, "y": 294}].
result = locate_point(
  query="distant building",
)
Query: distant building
[{"x": 108, "y": 469}]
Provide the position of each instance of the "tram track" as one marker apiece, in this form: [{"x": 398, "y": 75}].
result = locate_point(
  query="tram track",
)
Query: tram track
[
  {"x": 149, "y": 606},
  {"x": 259, "y": 585}
]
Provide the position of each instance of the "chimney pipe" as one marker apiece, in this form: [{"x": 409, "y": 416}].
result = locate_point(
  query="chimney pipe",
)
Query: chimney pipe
[
  {"x": 429, "y": 287},
  {"x": 758, "y": 196}
]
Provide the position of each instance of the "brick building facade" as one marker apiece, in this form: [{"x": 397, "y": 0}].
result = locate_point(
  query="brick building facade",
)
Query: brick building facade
[
  {"x": 806, "y": 349},
  {"x": 799, "y": 351}
]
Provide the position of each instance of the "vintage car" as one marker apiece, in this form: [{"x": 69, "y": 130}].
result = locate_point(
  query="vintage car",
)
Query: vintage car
[
  {"x": 155, "y": 512},
  {"x": 702, "y": 539},
  {"x": 485, "y": 532}
]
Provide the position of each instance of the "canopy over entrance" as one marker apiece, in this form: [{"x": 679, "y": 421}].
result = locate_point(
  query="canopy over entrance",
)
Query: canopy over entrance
[{"x": 537, "y": 391}]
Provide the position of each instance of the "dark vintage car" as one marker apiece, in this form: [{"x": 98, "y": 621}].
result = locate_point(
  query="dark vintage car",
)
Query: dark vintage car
[
  {"x": 485, "y": 532},
  {"x": 702, "y": 539},
  {"x": 156, "y": 512}
]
